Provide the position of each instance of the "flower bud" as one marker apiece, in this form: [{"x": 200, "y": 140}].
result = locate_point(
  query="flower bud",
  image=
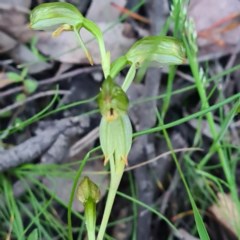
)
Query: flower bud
[
  {"x": 88, "y": 191},
  {"x": 88, "y": 194}
]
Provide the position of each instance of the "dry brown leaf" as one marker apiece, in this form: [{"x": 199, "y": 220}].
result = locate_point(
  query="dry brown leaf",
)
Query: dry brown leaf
[
  {"x": 20, "y": 5},
  {"x": 4, "y": 81},
  {"x": 66, "y": 49},
  {"x": 7, "y": 43},
  {"x": 226, "y": 212},
  {"x": 21, "y": 55},
  {"x": 207, "y": 12},
  {"x": 185, "y": 235},
  {"x": 102, "y": 11},
  {"x": 14, "y": 19}
]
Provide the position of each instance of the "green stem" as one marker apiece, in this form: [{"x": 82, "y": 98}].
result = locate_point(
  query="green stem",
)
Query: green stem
[
  {"x": 105, "y": 56},
  {"x": 167, "y": 99},
  {"x": 118, "y": 65},
  {"x": 90, "y": 218},
  {"x": 116, "y": 176}
]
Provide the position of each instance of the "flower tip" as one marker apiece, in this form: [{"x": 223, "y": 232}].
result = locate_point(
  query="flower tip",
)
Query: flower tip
[
  {"x": 125, "y": 160},
  {"x": 105, "y": 160},
  {"x": 89, "y": 57}
]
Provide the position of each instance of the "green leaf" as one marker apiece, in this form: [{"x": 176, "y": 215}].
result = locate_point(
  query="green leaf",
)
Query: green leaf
[
  {"x": 15, "y": 77},
  {"x": 30, "y": 85},
  {"x": 34, "y": 49},
  {"x": 202, "y": 231},
  {"x": 19, "y": 123},
  {"x": 24, "y": 73},
  {"x": 6, "y": 114},
  {"x": 20, "y": 97},
  {"x": 33, "y": 235}
]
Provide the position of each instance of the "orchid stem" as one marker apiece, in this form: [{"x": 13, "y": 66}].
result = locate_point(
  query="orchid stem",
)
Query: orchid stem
[{"x": 116, "y": 176}]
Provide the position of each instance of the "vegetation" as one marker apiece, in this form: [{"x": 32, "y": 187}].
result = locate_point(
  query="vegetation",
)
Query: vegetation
[{"x": 33, "y": 214}]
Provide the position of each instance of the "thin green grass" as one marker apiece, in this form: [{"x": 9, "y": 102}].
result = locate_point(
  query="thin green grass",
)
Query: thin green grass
[
  {"x": 134, "y": 207},
  {"x": 14, "y": 215},
  {"x": 198, "y": 218},
  {"x": 32, "y": 171}
]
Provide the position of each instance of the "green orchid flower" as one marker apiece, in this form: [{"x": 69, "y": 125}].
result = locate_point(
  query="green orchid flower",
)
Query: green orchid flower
[
  {"x": 115, "y": 126},
  {"x": 157, "y": 51},
  {"x": 154, "y": 51},
  {"x": 66, "y": 17},
  {"x": 48, "y": 15}
]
